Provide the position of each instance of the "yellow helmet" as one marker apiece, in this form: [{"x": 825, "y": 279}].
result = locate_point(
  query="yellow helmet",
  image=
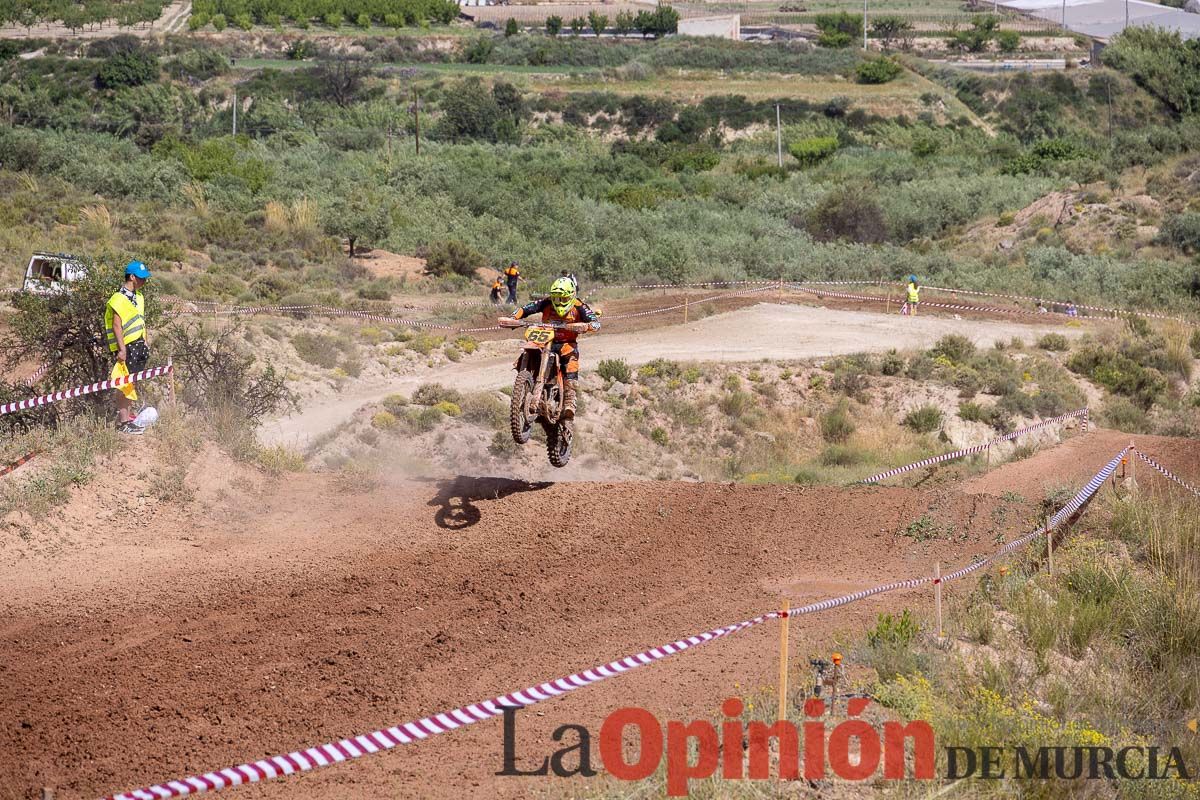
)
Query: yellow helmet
[{"x": 562, "y": 295}]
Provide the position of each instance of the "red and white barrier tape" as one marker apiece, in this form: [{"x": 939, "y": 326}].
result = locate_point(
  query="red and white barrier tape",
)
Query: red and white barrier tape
[
  {"x": 79, "y": 391},
  {"x": 1166, "y": 473},
  {"x": 388, "y": 738},
  {"x": 979, "y": 448},
  {"x": 25, "y": 459},
  {"x": 37, "y": 375}
]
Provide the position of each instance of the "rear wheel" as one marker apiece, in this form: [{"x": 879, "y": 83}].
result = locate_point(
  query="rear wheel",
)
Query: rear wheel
[
  {"x": 519, "y": 420},
  {"x": 558, "y": 443}
]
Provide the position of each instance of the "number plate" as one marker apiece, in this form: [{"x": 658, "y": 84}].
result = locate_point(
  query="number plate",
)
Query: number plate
[{"x": 539, "y": 335}]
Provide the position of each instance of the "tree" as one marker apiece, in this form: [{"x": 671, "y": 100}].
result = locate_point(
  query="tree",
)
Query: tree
[
  {"x": 469, "y": 112},
  {"x": 840, "y": 29},
  {"x": 850, "y": 214},
  {"x": 888, "y": 28},
  {"x": 357, "y": 216},
  {"x": 877, "y": 70},
  {"x": 624, "y": 23},
  {"x": 1161, "y": 63},
  {"x": 577, "y": 25},
  {"x": 598, "y": 22},
  {"x": 554, "y": 24},
  {"x": 813, "y": 150},
  {"x": 510, "y": 28},
  {"x": 341, "y": 78},
  {"x": 127, "y": 68},
  {"x": 659, "y": 22}
]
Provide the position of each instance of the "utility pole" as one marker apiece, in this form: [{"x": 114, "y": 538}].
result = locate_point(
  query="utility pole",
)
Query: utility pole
[
  {"x": 1126, "y": 14},
  {"x": 417, "y": 112},
  {"x": 778, "y": 136},
  {"x": 235, "y": 104},
  {"x": 864, "y": 25},
  {"x": 1064, "y": 16}
]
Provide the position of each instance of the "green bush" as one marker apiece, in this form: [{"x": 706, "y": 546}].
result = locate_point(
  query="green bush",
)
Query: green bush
[
  {"x": 484, "y": 409},
  {"x": 1119, "y": 374},
  {"x": 1008, "y": 41},
  {"x": 954, "y": 347},
  {"x": 614, "y": 369},
  {"x": 1194, "y": 343},
  {"x": 836, "y": 425},
  {"x": 453, "y": 258},
  {"x": 902, "y": 629},
  {"x": 511, "y": 28},
  {"x": 423, "y": 420},
  {"x": 813, "y": 150},
  {"x": 839, "y": 29},
  {"x": 554, "y": 24},
  {"x": 842, "y": 455},
  {"x": 1181, "y": 231},
  {"x": 430, "y": 394},
  {"x": 384, "y": 420},
  {"x": 1054, "y": 341},
  {"x": 395, "y": 403},
  {"x": 878, "y": 70},
  {"x": 848, "y": 213},
  {"x": 1123, "y": 415},
  {"x": 659, "y": 436},
  {"x": 133, "y": 67},
  {"x": 318, "y": 349},
  {"x": 448, "y": 408},
  {"x": 925, "y": 419}
]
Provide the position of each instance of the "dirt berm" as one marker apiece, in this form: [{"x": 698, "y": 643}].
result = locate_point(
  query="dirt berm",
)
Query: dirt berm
[{"x": 267, "y": 615}]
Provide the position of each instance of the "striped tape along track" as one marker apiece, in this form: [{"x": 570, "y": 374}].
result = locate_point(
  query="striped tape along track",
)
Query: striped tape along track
[
  {"x": 79, "y": 391},
  {"x": 1166, "y": 473},
  {"x": 387, "y": 738},
  {"x": 25, "y": 459},
  {"x": 979, "y": 448}
]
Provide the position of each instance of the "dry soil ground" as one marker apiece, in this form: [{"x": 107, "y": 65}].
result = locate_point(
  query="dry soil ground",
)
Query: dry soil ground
[
  {"x": 271, "y": 614},
  {"x": 764, "y": 330}
]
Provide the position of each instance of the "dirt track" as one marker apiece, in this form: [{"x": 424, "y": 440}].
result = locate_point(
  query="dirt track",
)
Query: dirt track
[
  {"x": 273, "y": 614},
  {"x": 295, "y": 613},
  {"x": 778, "y": 332}
]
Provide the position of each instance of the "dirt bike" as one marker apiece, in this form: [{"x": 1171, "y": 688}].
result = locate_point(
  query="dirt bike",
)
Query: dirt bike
[{"x": 538, "y": 389}]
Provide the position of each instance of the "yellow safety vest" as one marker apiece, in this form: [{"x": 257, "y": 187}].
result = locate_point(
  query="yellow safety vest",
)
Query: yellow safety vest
[
  {"x": 512, "y": 272},
  {"x": 914, "y": 294},
  {"x": 133, "y": 319}
]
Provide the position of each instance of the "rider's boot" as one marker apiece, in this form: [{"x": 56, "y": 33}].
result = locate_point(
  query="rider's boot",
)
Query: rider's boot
[{"x": 568, "y": 400}]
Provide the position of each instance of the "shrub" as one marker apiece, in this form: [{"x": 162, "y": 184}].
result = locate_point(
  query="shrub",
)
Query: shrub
[
  {"x": 836, "y": 425},
  {"x": 841, "y": 455},
  {"x": 453, "y": 258},
  {"x": 1008, "y": 41},
  {"x": 219, "y": 22},
  {"x": 317, "y": 349},
  {"x": 448, "y": 408},
  {"x": 423, "y": 420},
  {"x": 614, "y": 369},
  {"x": 429, "y": 394},
  {"x": 892, "y": 363},
  {"x": 554, "y": 24},
  {"x": 218, "y": 378},
  {"x": 1119, "y": 374},
  {"x": 840, "y": 29},
  {"x": 851, "y": 380},
  {"x": 1181, "y": 231},
  {"x": 128, "y": 68},
  {"x": 1054, "y": 341},
  {"x": 659, "y": 436},
  {"x": 958, "y": 349},
  {"x": 395, "y": 403},
  {"x": 736, "y": 404},
  {"x": 848, "y": 213},
  {"x": 1123, "y": 415},
  {"x": 511, "y": 28},
  {"x": 877, "y": 70},
  {"x": 967, "y": 381},
  {"x": 902, "y": 629},
  {"x": 484, "y": 409},
  {"x": 926, "y": 419},
  {"x": 813, "y": 150},
  {"x": 384, "y": 420},
  {"x": 1194, "y": 343}
]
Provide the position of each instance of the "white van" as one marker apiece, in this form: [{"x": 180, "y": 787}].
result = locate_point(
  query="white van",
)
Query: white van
[{"x": 50, "y": 273}]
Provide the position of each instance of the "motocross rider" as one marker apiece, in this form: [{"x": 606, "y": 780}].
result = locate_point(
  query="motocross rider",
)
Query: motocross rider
[{"x": 562, "y": 306}]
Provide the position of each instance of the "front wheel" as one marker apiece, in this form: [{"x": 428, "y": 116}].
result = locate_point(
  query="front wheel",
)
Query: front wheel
[
  {"x": 519, "y": 421},
  {"x": 558, "y": 443}
]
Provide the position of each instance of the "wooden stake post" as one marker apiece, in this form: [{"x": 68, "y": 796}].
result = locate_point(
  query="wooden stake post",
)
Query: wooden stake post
[
  {"x": 685, "y": 309},
  {"x": 783, "y": 661},
  {"x": 937, "y": 595},
  {"x": 1049, "y": 547}
]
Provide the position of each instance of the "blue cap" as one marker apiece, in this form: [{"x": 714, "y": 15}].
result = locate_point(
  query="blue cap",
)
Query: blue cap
[
  {"x": 137, "y": 269},
  {"x": 912, "y": 278}
]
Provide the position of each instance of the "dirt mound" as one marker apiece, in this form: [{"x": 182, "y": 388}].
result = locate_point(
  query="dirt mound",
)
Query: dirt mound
[
  {"x": 313, "y": 608},
  {"x": 1080, "y": 457},
  {"x": 382, "y": 264}
]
